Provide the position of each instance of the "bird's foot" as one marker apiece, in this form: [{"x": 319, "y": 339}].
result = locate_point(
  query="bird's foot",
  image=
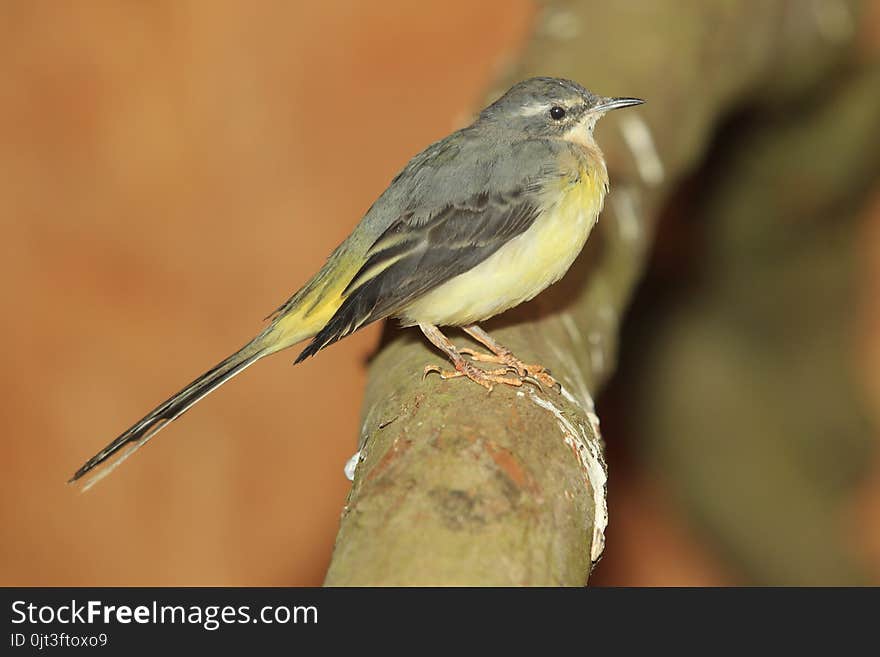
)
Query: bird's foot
[
  {"x": 514, "y": 365},
  {"x": 486, "y": 378}
]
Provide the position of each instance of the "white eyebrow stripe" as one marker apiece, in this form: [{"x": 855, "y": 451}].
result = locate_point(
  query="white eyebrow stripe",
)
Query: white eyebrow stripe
[{"x": 535, "y": 108}]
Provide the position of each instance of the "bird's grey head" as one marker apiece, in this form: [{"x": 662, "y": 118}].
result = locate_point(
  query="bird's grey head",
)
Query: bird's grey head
[{"x": 550, "y": 107}]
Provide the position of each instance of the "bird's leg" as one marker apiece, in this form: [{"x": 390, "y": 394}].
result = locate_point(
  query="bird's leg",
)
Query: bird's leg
[
  {"x": 502, "y": 355},
  {"x": 486, "y": 378}
]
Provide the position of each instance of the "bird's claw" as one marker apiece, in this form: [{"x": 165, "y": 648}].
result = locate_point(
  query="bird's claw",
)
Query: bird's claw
[
  {"x": 536, "y": 374},
  {"x": 507, "y": 375},
  {"x": 486, "y": 378}
]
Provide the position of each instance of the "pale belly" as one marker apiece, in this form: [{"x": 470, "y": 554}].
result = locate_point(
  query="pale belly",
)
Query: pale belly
[{"x": 518, "y": 271}]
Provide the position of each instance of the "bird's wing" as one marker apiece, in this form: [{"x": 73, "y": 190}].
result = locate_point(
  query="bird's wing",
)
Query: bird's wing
[{"x": 417, "y": 253}]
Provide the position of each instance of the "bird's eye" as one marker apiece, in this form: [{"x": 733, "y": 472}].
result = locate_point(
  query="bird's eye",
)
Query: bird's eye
[{"x": 557, "y": 113}]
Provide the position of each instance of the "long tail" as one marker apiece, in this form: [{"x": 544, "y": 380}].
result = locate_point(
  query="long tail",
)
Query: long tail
[
  {"x": 299, "y": 318},
  {"x": 136, "y": 436}
]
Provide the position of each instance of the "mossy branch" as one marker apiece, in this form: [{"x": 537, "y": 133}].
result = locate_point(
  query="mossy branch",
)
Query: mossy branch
[{"x": 457, "y": 486}]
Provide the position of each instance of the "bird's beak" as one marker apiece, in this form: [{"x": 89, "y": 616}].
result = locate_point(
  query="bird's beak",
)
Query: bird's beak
[{"x": 606, "y": 104}]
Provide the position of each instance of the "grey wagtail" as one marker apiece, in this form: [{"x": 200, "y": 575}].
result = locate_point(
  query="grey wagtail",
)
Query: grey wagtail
[{"x": 475, "y": 224}]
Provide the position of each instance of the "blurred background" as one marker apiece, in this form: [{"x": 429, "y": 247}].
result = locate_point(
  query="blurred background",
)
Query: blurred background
[{"x": 171, "y": 171}]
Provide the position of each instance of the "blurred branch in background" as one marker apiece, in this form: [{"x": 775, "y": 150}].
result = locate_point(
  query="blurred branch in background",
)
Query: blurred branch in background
[
  {"x": 762, "y": 435},
  {"x": 457, "y": 487}
]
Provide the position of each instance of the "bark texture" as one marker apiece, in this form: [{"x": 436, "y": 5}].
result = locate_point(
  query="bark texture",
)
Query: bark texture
[{"x": 458, "y": 487}]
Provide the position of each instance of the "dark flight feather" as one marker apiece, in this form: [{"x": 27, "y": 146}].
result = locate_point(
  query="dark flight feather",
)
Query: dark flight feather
[{"x": 410, "y": 259}]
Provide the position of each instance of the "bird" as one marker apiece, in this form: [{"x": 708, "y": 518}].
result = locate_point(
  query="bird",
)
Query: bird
[{"x": 475, "y": 224}]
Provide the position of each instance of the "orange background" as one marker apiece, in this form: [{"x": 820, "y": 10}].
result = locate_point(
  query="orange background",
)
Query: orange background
[{"x": 170, "y": 173}]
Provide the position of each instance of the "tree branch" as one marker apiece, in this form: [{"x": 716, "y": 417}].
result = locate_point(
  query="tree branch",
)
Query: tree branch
[{"x": 456, "y": 486}]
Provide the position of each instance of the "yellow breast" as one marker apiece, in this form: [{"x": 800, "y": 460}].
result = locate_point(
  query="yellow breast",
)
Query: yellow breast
[{"x": 524, "y": 266}]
